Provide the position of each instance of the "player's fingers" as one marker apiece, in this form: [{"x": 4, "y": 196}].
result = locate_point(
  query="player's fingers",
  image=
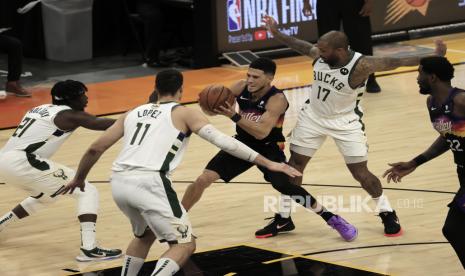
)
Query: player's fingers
[
  {"x": 386, "y": 172},
  {"x": 217, "y": 110},
  {"x": 227, "y": 105},
  {"x": 64, "y": 191}
]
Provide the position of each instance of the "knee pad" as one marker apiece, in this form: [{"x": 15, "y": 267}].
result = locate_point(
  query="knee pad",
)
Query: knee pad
[
  {"x": 32, "y": 205},
  {"x": 88, "y": 201}
]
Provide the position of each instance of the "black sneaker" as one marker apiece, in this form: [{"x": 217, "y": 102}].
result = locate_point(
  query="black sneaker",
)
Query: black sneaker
[
  {"x": 372, "y": 85},
  {"x": 98, "y": 254},
  {"x": 391, "y": 224},
  {"x": 277, "y": 225}
]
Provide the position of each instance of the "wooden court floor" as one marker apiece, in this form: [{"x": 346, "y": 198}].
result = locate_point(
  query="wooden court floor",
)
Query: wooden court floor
[{"x": 228, "y": 214}]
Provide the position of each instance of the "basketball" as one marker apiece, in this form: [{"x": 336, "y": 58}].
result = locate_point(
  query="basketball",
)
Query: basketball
[{"x": 214, "y": 96}]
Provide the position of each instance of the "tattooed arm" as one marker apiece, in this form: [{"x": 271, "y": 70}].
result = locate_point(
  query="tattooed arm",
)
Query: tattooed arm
[
  {"x": 301, "y": 46},
  {"x": 370, "y": 64}
]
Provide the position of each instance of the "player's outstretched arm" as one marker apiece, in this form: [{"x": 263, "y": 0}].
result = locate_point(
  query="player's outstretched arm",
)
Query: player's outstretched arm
[
  {"x": 72, "y": 119},
  {"x": 92, "y": 155},
  {"x": 371, "y": 64},
  {"x": 301, "y": 46},
  {"x": 400, "y": 169},
  {"x": 199, "y": 124}
]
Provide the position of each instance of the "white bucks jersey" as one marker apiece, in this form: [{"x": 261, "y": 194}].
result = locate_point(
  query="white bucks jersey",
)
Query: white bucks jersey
[
  {"x": 37, "y": 132},
  {"x": 151, "y": 142},
  {"x": 331, "y": 94}
]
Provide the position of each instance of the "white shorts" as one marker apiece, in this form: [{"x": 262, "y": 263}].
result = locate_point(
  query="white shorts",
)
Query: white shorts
[
  {"x": 347, "y": 131},
  {"x": 39, "y": 176},
  {"x": 148, "y": 200}
]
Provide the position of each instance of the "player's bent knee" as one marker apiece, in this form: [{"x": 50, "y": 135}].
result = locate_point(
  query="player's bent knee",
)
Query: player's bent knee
[
  {"x": 360, "y": 176},
  {"x": 191, "y": 246},
  {"x": 147, "y": 237},
  {"x": 32, "y": 205}
]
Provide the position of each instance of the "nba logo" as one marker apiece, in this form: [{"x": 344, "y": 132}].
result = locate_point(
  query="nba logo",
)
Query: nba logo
[{"x": 234, "y": 15}]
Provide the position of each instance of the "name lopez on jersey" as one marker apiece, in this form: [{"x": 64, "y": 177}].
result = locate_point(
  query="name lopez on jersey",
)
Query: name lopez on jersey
[
  {"x": 154, "y": 113},
  {"x": 329, "y": 79},
  {"x": 42, "y": 111}
]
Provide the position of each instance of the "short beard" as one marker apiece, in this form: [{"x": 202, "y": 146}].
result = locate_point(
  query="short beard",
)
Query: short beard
[{"x": 425, "y": 91}]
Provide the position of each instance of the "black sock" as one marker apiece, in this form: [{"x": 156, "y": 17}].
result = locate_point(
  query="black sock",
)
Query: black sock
[{"x": 325, "y": 214}]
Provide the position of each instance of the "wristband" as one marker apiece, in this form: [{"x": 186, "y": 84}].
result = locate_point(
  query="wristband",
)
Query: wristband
[{"x": 236, "y": 117}]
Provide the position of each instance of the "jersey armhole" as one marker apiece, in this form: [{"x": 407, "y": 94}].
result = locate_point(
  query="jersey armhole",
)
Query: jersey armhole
[
  {"x": 352, "y": 70},
  {"x": 53, "y": 120},
  {"x": 172, "y": 123},
  {"x": 314, "y": 61}
]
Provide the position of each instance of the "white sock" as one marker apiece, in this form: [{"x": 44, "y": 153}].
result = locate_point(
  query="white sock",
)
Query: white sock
[
  {"x": 382, "y": 204},
  {"x": 165, "y": 267},
  {"x": 7, "y": 219},
  {"x": 285, "y": 206},
  {"x": 88, "y": 241},
  {"x": 131, "y": 266}
]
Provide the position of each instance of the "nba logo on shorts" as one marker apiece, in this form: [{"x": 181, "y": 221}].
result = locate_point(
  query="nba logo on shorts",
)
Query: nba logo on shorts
[{"x": 234, "y": 15}]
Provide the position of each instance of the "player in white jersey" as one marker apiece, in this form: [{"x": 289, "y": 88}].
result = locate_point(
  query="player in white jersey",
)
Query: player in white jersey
[
  {"x": 155, "y": 136},
  {"x": 25, "y": 162},
  {"x": 333, "y": 110}
]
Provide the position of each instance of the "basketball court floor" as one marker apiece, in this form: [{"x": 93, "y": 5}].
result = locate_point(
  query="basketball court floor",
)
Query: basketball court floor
[{"x": 225, "y": 219}]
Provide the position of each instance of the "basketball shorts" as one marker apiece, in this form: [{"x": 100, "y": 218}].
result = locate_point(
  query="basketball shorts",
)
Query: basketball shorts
[
  {"x": 228, "y": 166},
  {"x": 148, "y": 200},
  {"x": 39, "y": 176},
  {"x": 347, "y": 132}
]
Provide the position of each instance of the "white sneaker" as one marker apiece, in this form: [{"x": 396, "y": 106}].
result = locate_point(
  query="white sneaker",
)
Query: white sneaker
[{"x": 98, "y": 254}]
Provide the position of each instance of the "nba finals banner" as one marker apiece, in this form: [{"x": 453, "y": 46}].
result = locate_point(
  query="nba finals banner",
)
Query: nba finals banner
[{"x": 239, "y": 22}]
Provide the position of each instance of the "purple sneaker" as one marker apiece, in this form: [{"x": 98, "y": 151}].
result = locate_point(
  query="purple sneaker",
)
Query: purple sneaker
[{"x": 347, "y": 231}]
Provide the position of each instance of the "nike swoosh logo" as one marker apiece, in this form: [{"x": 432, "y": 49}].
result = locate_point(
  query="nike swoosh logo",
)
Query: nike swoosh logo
[
  {"x": 103, "y": 254},
  {"x": 242, "y": 98},
  {"x": 281, "y": 226}
]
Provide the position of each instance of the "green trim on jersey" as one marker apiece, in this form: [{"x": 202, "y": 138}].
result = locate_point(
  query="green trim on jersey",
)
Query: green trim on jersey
[
  {"x": 360, "y": 115},
  {"x": 31, "y": 158},
  {"x": 172, "y": 153},
  {"x": 172, "y": 196}
]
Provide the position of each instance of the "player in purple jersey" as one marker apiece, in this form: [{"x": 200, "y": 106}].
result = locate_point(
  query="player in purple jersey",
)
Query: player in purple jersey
[{"x": 446, "y": 106}]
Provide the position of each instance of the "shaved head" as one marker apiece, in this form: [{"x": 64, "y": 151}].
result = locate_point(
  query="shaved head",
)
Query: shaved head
[{"x": 335, "y": 39}]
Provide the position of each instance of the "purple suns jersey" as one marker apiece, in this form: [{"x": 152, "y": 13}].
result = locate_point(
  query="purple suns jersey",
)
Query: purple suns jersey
[
  {"x": 253, "y": 111},
  {"x": 450, "y": 126}
]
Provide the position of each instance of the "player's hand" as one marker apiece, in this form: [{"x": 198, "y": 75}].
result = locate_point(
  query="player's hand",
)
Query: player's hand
[
  {"x": 307, "y": 9},
  {"x": 284, "y": 168},
  {"x": 399, "y": 170},
  {"x": 270, "y": 24},
  {"x": 73, "y": 185},
  {"x": 441, "y": 48},
  {"x": 227, "y": 110},
  {"x": 367, "y": 8}
]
